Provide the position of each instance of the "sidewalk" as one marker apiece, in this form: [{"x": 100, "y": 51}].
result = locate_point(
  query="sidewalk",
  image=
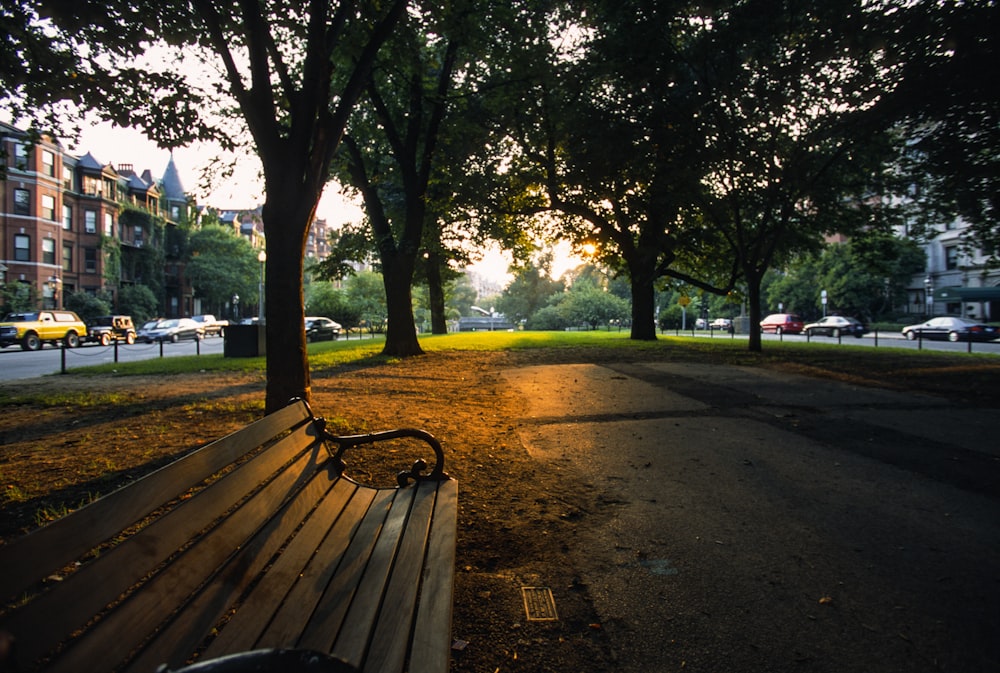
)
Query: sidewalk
[{"x": 746, "y": 520}]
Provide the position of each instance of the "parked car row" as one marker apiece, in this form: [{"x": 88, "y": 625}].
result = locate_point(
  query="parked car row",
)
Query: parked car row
[{"x": 945, "y": 327}]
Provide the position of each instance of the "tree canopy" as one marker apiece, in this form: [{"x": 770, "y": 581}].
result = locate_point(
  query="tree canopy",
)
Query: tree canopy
[
  {"x": 948, "y": 109},
  {"x": 691, "y": 143},
  {"x": 222, "y": 263},
  {"x": 280, "y": 77},
  {"x": 417, "y": 124}
]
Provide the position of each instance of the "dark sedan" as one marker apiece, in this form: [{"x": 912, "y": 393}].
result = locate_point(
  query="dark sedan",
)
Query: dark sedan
[
  {"x": 321, "y": 329},
  {"x": 172, "y": 330},
  {"x": 836, "y": 326},
  {"x": 952, "y": 329}
]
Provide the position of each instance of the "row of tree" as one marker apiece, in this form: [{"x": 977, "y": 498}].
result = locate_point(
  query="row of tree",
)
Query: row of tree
[
  {"x": 689, "y": 142},
  {"x": 866, "y": 277}
]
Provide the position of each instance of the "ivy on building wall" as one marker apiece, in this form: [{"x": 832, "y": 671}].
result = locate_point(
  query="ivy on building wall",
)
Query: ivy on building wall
[
  {"x": 143, "y": 265},
  {"x": 112, "y": 261}
]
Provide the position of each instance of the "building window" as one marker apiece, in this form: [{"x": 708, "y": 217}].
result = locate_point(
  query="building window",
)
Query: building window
[
  {"x": 90, "y": 221},
  {"x": 21, "y": 157},
  {"x": 109, "y": 225},
  {"x": 67, "y": 217},
  {"x": 48, "y": 251},
  {"x": 67, "y": 259},
  {"x": 22, "y": 248},
  {"x": 91, "y": 185},
  {"x": 48, "y": 163},
  {"x": 90, "y": 260},
  {"x": 49, "y": 207},
  {"x": 137, "y": 235},
  {"x": 22, "y": 202},
  {"x": 951, "y": 258}
]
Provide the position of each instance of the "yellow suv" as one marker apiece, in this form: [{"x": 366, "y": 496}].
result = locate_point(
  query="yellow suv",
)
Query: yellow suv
[{"x": 31, "y": 330}]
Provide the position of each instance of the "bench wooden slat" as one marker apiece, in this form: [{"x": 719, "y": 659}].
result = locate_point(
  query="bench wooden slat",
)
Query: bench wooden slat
[
  {"x": 431, "y": 648},
  {"x": 115, "y": 637},
  {"x": 343, "y": 508},
  {"x": 179, "y": 639},
  {"x": 48, "y": 549},
  {"x": 400, "y": 598},
  {"x": 47, "y": 620},
  {"x": 352, "y": 641},
  {"x": 331, "y": 610}
]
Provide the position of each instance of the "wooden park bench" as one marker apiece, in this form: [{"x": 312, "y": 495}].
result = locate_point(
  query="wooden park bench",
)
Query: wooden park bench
[{"x": 256, "y": 545}]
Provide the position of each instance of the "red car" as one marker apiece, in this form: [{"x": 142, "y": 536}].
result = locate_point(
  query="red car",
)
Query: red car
[{"x": 781, "y": 323}]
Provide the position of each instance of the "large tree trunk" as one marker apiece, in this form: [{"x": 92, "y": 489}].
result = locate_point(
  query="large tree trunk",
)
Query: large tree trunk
[
  {"x": 642, "y": 274},
  {"x": 401, "y": 333},
  {"x": 643, "y": 308},
  {"x": 286, "y": 221},
  {"x": 435, "y": 291}
]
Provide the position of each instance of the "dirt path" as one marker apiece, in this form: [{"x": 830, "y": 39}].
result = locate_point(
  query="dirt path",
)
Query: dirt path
[
  {"x": 519, "y": 517},
  {"x": 516, "y": 517}
]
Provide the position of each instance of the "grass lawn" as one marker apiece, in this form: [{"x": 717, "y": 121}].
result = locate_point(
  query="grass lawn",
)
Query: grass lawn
[{"x": 972, "y": 377}]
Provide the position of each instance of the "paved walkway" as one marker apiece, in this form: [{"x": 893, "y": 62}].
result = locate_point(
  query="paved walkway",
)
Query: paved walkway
[{"x": 738, "y": 519}]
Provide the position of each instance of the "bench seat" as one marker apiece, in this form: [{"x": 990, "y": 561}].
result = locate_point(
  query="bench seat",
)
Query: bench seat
[{"x": 255, "y": 541}]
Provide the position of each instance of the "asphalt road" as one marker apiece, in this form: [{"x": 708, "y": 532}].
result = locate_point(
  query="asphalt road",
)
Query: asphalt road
[
  {"x": 881, "y": 340},
  {"x": 18, "y": 364},
  {"x": 739, "y": 520}
]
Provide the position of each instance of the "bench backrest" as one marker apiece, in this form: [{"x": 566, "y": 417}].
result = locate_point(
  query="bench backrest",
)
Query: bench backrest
[{"x": 62, "y": 575}]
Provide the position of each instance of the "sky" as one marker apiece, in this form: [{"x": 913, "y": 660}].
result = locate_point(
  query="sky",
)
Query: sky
[
  {"x": 114, "y": 145},
  {"x": 110, "y": 144}
]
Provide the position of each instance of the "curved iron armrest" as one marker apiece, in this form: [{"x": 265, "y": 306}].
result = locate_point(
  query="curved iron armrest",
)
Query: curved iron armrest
[
  {"x": 415, "y": 473},
  {"x": 267, "y": 661}
]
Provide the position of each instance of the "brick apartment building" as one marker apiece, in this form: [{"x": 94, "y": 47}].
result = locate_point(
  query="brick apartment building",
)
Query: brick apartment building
[
  {"x": 64, "y": 227},
  {"x": 72, "y": 224}
]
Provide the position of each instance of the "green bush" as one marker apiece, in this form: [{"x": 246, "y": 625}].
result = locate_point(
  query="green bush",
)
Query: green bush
[
  {"x": 139, "y": 302},
  {"x": 546, "y": 319},
  {"x": 87, "y": 306}
]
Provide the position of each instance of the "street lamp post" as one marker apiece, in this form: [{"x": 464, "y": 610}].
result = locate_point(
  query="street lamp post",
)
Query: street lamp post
[
  {"x": 929, "y": 296},
  {"x": 54, "y": 282},
  {"x": 236, "y": 307},
  {"x": 262, "y": 258}
]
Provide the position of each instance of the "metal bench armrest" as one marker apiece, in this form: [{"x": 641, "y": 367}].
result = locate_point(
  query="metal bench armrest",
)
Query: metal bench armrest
[{"x": 415, "y": 473}]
